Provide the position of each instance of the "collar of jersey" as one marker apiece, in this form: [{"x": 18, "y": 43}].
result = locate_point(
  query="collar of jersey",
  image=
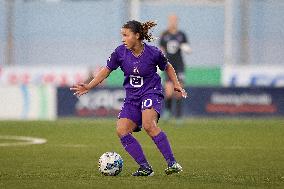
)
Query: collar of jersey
[{"x": 140, "y": 53}]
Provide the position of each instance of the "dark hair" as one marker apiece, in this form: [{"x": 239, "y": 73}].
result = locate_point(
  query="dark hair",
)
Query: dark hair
[{"x": 141, "y": 28}]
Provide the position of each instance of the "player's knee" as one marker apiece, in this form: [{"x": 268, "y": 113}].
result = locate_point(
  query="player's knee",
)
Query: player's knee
[
  {"x": 150, "y": 127},
  {"x": 120, "y": 131},
  {"x": 124, "y": 127}
]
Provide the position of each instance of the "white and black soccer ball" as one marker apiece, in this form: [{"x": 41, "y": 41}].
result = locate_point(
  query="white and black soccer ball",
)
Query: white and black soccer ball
[{"x": 110, "y": 164}]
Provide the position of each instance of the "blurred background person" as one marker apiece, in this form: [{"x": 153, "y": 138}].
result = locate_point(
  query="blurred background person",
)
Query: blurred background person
[{"x": 173, "y": 42}]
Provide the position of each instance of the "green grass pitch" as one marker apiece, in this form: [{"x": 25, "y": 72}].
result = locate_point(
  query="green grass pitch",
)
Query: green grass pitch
[{"x": 215, "y": 153}]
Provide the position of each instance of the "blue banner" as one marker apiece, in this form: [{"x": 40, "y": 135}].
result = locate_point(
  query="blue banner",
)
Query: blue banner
[
  {"x": 234, "y": 102},
  {"x": 99, "y": 102},
  {"x": 202, "y": 101}
]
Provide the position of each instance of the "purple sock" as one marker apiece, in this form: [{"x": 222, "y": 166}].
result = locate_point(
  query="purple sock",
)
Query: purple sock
[
  {"x": 132, "y": 146},
  {"x": 163, "y": 145}
]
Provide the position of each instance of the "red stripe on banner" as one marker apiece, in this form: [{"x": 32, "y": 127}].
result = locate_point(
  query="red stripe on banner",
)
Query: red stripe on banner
[{"x": 246, "y": 108}]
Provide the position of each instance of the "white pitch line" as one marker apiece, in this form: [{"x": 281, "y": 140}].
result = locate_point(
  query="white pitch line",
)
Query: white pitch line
[
  {"x": 73, "y": 145},
  {"x": 23, "y": 140}
]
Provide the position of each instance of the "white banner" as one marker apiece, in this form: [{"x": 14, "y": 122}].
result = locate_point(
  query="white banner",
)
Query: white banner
[
  {"x": 253, "y": 75},
  {"x": 28, "y": 102},
  {"x": 44, "y": 75}
]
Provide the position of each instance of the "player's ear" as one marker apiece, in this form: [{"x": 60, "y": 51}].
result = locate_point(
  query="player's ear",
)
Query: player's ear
[{"x": 137, "y": 36}]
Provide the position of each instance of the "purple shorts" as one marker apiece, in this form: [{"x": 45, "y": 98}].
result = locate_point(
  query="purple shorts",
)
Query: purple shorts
[{"x": 133, "y": 109}]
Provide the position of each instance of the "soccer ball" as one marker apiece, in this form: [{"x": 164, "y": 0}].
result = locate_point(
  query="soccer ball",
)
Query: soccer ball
[{"x": 110, "y": 164}]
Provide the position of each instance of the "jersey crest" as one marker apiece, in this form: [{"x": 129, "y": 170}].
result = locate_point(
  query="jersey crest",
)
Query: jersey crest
[{"x": 135, "y": 70}]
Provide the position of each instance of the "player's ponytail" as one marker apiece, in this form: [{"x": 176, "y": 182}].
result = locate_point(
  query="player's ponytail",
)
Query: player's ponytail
[
  {"x": 141, "y": 28},
  {"x": 146, "y": 26}
]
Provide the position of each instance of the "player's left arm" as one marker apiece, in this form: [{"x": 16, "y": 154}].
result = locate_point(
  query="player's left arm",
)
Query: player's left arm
[{"x": 173, "y": 77}]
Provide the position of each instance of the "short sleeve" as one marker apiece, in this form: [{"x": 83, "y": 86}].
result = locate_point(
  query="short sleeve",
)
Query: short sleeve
[
  {"x": 184, "y": 38},
  {"x": 113, "y": 62},
  {"x": 162, "y": 41},
  {"x": 162, "y": 61}
]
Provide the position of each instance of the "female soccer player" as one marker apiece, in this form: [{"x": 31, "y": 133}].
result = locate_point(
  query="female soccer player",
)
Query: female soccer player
[{"x": 142, "y": 105}]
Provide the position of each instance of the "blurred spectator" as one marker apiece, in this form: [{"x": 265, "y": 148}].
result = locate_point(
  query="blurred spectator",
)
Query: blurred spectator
[{"x": 173, "y": 42}]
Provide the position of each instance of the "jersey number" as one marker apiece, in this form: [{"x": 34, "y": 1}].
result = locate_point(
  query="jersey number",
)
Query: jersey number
[
  {"x": 136, "y": 81},
  {"x": 147, "y": 103}
]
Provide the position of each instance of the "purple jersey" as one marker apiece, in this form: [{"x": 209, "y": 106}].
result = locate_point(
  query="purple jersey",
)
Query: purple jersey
[{"x": 140, "y": 72}]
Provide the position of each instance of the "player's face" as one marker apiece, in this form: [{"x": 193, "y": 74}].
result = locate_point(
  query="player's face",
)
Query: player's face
[{"x": 129, "y": 38}]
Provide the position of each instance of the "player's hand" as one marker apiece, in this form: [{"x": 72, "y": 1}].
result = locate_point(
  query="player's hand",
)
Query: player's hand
[
  {"x": 181, "y": 90},
  {"x": 80, "y": 89}
]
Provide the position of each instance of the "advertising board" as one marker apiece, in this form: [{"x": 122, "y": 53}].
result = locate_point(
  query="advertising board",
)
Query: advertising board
[
  {"x": 42, "y": 75},
  {"x": 234, "y": 101},
  {"x": 253, "y": 75},
  {"x": 202, "y": 101},
  {"x": 100, "y": 102},
  {"x": 28, "y": 102}
]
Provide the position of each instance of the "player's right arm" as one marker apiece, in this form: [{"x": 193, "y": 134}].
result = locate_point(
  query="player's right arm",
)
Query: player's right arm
[
  {"x": 112, "y": 64},
  {"x": 83, "y": 88}
]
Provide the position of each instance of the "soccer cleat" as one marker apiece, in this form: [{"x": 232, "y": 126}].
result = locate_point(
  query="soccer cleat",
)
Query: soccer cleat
[
  {"x": 144, "y": 171},
  {"x": 174, "y": 168}
]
